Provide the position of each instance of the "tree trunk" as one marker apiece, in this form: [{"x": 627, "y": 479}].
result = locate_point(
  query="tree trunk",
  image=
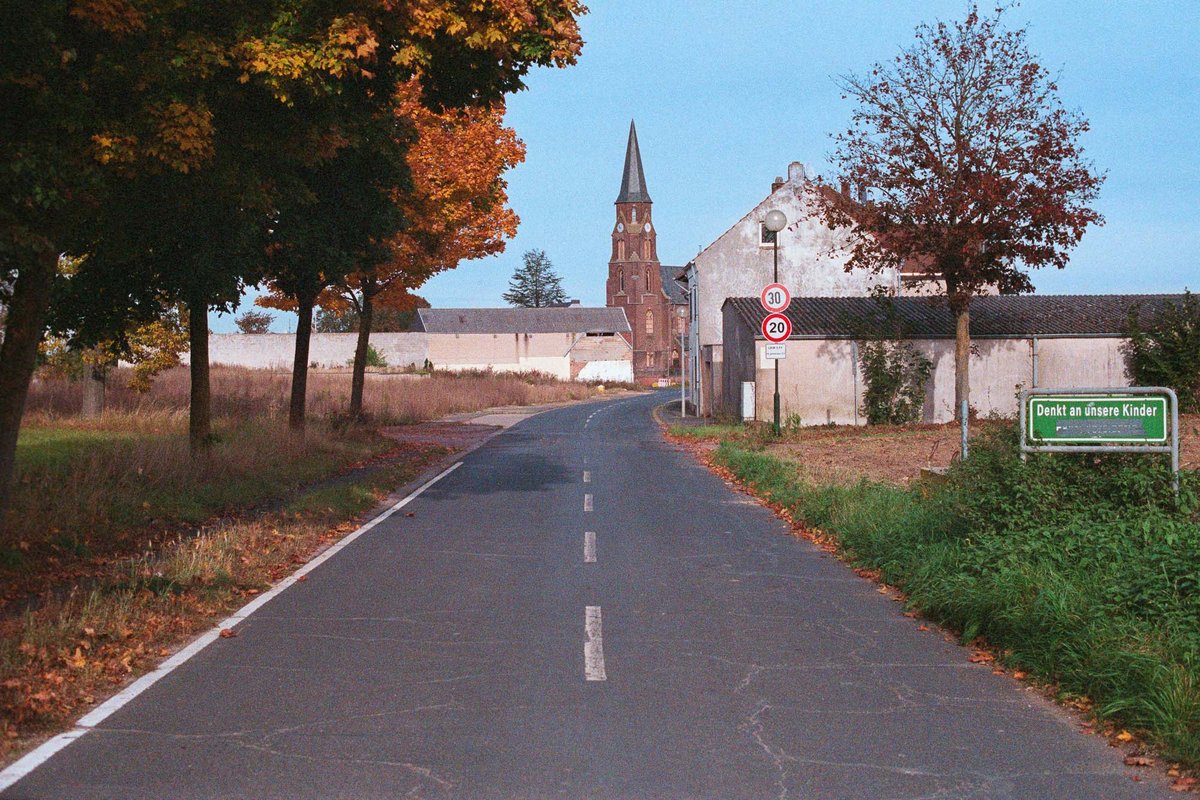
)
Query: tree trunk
[
  {"x": 304, "y": 309},
  {"x": 962, "y": 356},
  {"x": 200, "y": 406},
  {"x": 93, "y": 391},
  {"x": 359, "y": 379},
  {"x": 18, "y": 358}
]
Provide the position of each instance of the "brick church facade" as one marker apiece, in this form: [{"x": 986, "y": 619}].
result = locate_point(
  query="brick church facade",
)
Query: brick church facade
[{"x": 654, "y": 301}]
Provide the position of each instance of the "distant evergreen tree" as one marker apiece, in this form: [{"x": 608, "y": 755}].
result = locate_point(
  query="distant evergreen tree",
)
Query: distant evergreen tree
[{"x": 535, "y": 285}]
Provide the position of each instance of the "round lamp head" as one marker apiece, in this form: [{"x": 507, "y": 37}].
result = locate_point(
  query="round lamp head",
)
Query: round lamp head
[{"x": 775, "y": 220}]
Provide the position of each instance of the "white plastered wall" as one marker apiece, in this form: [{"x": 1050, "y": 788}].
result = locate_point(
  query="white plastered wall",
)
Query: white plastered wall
[{"x": 819, "y": 380}]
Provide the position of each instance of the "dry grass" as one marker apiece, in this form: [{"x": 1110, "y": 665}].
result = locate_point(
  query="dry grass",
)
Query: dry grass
[
  {"x": 71, "y": 652},
  {"x": 88, "y": 490},
  {"x": 239, "y": 393}
]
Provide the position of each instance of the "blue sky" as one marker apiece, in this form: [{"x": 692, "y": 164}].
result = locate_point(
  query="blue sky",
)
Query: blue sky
[{"x": 726, "y": 94}]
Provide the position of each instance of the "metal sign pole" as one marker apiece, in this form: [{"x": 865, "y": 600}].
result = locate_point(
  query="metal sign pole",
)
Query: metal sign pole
[{"x": 775, "y": 279}]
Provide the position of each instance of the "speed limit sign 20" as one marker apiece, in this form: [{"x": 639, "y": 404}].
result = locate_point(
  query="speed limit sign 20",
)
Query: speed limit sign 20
[
  {"x": 775, "y": 297},
  {"x": 776, "y": 328}
]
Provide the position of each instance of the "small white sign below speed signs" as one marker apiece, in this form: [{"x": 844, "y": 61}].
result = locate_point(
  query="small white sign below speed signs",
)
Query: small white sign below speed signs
[
  {"x": 776, "y": 328},
  {"x": 775, "y": 352},
  {"x": 775, "y": 297}
]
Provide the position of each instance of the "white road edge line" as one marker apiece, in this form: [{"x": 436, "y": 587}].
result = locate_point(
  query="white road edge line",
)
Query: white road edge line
[
  {"x": 589, "y": 547},
  {"x": 41, "y": 754},
  {"x": 587, "y": 502},
  {"x": 593, "y": 646}
]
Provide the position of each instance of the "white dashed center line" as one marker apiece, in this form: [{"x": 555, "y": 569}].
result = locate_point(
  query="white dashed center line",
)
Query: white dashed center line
[
  {"x": 593, "y": 646},
  {"x": 587, "y": 502},
  {"x": 587, "y": 476},
  {"x": 589, "y": 547}
]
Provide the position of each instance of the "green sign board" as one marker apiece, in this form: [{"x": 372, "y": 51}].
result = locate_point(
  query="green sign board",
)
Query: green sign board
[{"x": 1070, "y": 419}]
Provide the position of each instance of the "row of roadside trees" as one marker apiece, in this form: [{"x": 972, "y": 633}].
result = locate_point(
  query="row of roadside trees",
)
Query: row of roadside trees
[{"x": 339, "y": 151}]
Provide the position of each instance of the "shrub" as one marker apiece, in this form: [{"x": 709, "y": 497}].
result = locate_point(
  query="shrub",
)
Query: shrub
[
  {"x": 894, "y": 371},
  {"x": 254, "y": 322},
  {"x": 1167, "y": 352}
]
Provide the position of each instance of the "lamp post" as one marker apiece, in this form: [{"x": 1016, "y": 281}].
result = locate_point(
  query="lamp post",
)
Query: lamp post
[{"x": 775, "y": 222}]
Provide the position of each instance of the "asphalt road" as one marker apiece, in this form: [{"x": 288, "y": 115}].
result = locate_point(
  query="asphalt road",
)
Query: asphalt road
[{"x": 457, "y": 653}]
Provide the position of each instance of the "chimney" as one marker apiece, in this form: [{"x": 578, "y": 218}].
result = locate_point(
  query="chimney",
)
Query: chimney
[
  {"x": 796, "y": 173},
  {"x": 775, "y": 184}
]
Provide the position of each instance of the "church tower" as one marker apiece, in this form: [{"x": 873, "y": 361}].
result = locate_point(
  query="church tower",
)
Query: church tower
[{"x": 634, "y": 274}]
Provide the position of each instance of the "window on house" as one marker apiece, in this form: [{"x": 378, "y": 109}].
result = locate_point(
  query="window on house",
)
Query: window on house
[
  {"x": 633, "y": 214},
  {"x": 649, "y": 322}
]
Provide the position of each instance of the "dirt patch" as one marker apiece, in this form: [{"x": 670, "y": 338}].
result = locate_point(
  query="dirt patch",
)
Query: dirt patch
[
  {"x": 894, "y": 455},
  {"x": 452, "y": 435},
  {"x": 897, "y": 454}
]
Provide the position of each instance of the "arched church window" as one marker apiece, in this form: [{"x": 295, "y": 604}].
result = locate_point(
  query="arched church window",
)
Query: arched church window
[
  {"x": 621, "y": 280},
  {"x": 633, "y": 214},
  {"x": 649, "y": 323},
  {"x": 647, "y": 279},
  {"x": 621, "y": 250}
]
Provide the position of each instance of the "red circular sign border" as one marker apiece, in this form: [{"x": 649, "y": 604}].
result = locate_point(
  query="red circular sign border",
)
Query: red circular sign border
[
  {"x": 762, "y": 298},
  {"x": 770, "y": 317}
]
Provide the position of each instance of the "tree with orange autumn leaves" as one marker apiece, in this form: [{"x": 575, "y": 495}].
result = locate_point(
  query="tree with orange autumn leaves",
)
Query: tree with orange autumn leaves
[
  {"x": 96, "y": 94},
  {"x": 455, "y": 209}
]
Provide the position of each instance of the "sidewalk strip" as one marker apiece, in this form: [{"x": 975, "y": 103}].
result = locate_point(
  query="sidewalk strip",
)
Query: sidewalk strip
[{"x": 39, "y": 755}]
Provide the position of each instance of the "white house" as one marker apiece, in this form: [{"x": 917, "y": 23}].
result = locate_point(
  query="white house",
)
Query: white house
[{"x": 739, "y": 263}]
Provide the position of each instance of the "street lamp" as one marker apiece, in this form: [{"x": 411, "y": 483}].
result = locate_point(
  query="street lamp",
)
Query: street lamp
[{"x": 775, "y": 222}]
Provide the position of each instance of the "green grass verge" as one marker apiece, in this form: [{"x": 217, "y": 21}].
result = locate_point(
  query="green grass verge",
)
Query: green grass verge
[
  {"x": 1081, "y": 569},
  {"x": 82, "y": 491}
]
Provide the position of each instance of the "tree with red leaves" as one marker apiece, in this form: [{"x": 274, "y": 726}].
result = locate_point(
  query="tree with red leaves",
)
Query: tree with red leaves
[{"x": 964, "y": 162}]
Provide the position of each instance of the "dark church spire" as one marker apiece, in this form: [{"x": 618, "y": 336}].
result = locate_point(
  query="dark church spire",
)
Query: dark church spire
[{"x": 633, "y": 182}]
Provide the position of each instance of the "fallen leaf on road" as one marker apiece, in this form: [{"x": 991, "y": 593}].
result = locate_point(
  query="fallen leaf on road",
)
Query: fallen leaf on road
[
  {"x": 411, "y": 514},
  {"x": 301, "y": 578},
  {"x": 981, "y": 658},
  {"x": 1124, "y": 736},
  {"x": 1183, "y": 784},
  {"x": 922, "y": 627},
  {"x": 1135, "y": 778},
  {"x": 1139, "y": 761},
  {"x": 228, "y": 633},
  {"x": 1173, "y": 772},
  {"x": 1019, "y": 675},
  {"x": 911, "y": 614}
]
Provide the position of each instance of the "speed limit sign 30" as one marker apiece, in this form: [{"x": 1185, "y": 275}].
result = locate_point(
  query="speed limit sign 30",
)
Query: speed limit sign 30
[
  {"x": 775, "y": 297},
  {"x": 776, "y": 328}
]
